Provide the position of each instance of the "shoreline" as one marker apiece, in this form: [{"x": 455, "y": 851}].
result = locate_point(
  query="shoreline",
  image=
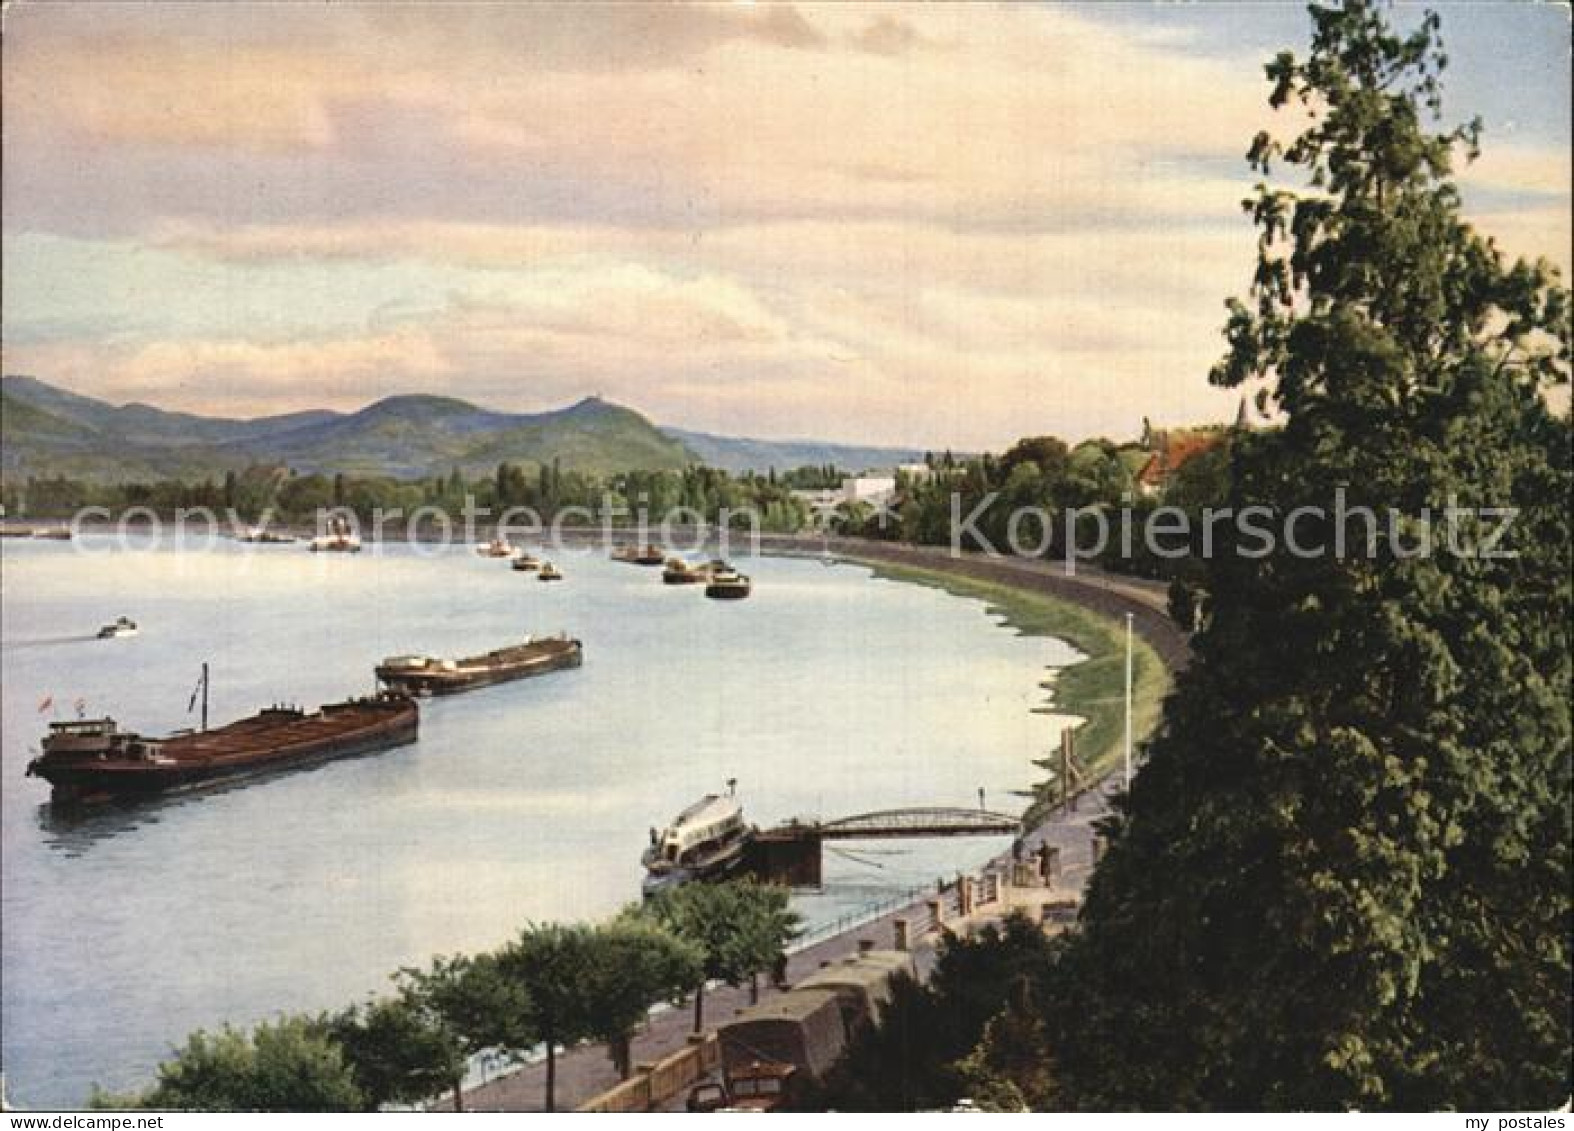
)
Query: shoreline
[
  {"x": 1090, "y": 689},
  {"x": 1034, "y": 602}
]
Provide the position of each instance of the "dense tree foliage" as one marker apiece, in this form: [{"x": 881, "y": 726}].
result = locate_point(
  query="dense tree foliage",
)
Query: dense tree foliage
[
  {"x": 463, "y": 1006},
  {"x": 933, "y": 1047},
  {"x": 634, "y": 965},
  {"x": 739, "y": 929},
  {"x": 1012, "y": 1066},
  {"x": 289, "y": 1065},
  {"x": 398, "y": 1052},
  {"x": 285, "y": 496},
  {"x": 1341, "y": 880}
]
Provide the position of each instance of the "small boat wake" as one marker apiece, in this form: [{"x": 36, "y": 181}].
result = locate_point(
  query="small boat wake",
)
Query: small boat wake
[{"x": 49, "y": 641}]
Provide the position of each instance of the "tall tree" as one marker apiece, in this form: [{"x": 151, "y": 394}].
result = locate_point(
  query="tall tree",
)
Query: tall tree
[
  {"x": 467, "y": 1006},
  {"x": 398, "y": 1052},
  {"x": 552, "y": 964},
  {"x": 634, "y": 966},
  {"x": 932, "y": 1046},
  {"x": 1342, "y": 878},
  {"x": 739, "y": 927}
]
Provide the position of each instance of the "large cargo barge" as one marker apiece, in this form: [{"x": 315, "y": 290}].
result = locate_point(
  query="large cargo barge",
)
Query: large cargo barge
[
  {"x": 93, "y": 760},
  {"x": 428, "y": 675}
]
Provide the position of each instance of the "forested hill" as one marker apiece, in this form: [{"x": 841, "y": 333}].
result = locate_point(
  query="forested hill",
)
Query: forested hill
[{"x": 49, "y": 431}]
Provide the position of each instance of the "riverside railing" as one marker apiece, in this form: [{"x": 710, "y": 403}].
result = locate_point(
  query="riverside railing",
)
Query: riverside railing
[{"x": 858, "y": 917}]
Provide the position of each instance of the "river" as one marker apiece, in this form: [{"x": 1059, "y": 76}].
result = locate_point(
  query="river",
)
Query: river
[{"x": 829, "y": 692}]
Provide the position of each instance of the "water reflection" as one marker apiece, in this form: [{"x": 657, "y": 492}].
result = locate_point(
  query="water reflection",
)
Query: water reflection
[{"x": 73, "y": 830}]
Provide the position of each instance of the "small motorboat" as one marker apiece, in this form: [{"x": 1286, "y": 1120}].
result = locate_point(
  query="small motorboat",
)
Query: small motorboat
[
  {"x": 497, "y": 548},
  {"x": 122, "y": 626},
  {"x": 727, "y": 583},
  {"x": 525, "y": 563},
  {"x": 548, "y": 572},
  {"x": 264, "y": 537},
  {"x": 340, "y": 539},
  {"x": 335, "y": 544}
]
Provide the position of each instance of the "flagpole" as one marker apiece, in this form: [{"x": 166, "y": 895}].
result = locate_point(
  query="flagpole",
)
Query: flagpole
[
  {"x": 1128, "y": 702},
  {"x": 205, "y": 704}
]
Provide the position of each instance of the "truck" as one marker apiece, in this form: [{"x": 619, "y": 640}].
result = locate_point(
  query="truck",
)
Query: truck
[{"x": 776, "y": 1051}]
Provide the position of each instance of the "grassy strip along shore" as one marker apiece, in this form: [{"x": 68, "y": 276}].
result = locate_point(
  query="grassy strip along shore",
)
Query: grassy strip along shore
[{"x": 1092, "y": 689}]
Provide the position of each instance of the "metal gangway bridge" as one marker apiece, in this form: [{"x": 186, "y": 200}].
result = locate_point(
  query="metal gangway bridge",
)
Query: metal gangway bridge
[
  {"x": 918, "y": 822},
  {"x": 790, "y": 852}
]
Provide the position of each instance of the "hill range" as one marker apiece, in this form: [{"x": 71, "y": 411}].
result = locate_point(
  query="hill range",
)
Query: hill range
[{"x": 47, "y": 430}]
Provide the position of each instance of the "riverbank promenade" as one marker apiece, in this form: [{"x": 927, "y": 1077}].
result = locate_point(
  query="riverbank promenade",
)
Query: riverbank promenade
[{"x": 585, "y": 1072}]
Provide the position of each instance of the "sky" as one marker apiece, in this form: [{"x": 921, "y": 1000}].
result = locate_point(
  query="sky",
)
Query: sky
[{"x": 937, "y": 226}]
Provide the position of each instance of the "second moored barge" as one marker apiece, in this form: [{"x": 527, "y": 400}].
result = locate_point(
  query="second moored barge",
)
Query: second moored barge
[{"x": 429, "y": 675}]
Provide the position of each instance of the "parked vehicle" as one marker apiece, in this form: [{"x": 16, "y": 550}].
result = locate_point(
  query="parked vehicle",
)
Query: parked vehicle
[{"x": 774, "y": 1052}]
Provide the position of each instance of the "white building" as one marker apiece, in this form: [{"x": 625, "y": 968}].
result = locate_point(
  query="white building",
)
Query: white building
[{"x": 871, "y": 489}]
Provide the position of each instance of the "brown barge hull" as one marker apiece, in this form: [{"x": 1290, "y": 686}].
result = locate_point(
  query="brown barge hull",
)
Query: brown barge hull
[
  {"x": 238, "y": 752},
  {"x": 439, "y": 682}
]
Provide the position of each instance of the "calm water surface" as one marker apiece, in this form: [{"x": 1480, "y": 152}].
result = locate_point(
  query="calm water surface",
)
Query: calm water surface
[{"x": 830, "y": 692}]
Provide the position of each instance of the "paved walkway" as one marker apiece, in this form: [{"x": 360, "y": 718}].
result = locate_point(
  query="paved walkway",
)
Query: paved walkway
[{"x": 586, "y": 1071}]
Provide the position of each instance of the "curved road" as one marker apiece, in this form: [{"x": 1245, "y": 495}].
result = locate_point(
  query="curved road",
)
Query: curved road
[{"x": 1097, "y": 590}]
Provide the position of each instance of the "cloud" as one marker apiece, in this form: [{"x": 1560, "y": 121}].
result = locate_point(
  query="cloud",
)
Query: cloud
[
  {"x": 936, "y": 365},
  {"x": 887, "y": 35},
  {"x": 932, "y": 224}
]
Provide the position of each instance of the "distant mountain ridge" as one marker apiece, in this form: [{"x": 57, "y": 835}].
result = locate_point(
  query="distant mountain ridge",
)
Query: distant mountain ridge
[
  {"x": 48, "y": 430},
  {"x": 739, "y": 454}
]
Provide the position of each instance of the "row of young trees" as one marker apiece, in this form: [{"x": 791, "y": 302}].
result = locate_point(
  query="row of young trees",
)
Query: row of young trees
[{"x": 551, "y": 987}]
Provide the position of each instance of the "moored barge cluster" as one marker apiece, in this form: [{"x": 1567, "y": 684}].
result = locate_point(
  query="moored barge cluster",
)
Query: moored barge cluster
[{"x": 721, "y": 580}]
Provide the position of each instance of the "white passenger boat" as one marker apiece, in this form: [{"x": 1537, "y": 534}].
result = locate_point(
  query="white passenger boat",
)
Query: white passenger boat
[{"x": 706, "y": 841}]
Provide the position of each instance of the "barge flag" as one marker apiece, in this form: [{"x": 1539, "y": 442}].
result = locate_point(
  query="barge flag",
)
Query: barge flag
[{"x": 49, "y": 701}]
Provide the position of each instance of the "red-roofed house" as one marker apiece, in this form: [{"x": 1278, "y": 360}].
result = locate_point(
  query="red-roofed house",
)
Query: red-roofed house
[{"x": 1171, "y": 451}]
